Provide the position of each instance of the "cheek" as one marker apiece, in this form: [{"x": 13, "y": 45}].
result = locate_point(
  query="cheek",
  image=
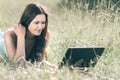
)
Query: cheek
[
  {"x": 44, "y": 26},
  {"x": 30, "y": 28}
]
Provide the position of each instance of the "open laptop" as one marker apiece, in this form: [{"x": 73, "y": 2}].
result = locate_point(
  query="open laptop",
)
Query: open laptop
[{"x": 81, "y": 56}]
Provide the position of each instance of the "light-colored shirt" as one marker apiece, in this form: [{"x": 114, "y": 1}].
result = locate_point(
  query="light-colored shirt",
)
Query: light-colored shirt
[{"x": 3, "y": 52}]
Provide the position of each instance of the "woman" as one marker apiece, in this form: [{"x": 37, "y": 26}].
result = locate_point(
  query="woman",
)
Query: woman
[{"x": 29, "y": 38}]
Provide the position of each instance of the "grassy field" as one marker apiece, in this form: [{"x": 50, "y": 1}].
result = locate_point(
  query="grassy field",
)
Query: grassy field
[{"x": 71, "y": 28}]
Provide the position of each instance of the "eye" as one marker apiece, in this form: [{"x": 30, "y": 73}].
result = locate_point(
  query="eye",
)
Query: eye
[
  {"x": 43, "y": 22},
  {"x": 36, "y": 22}
]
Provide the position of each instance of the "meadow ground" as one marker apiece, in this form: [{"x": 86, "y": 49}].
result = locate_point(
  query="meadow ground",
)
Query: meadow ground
[{"x": 69, "y": 28}]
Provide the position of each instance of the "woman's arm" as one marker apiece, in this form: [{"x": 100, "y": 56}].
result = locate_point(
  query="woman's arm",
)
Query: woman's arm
[
  {"x": 9, "y": 44},
  {"x": 43, "y": 56},
  {"x": 20, "y": 31},
  {"x": 47, "y": 43},
  {"x": 18, "y": 51}
]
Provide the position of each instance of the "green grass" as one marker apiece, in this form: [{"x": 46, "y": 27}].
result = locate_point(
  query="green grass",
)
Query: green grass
[{"x": 68, "y": 29}]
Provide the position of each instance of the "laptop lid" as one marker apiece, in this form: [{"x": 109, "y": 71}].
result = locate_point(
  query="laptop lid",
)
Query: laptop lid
[{"x": 81, "y": 56}]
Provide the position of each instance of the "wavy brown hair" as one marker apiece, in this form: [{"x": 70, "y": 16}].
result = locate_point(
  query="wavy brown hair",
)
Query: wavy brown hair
[{"x": 30, "y": 12}]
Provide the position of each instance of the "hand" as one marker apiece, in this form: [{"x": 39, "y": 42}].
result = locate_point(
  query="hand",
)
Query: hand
[{"x": 20, "y": 31}]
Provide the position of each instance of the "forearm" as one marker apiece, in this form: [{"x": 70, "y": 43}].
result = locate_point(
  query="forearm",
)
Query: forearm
[
  {"x": 20, "y": 50},
  {"x": 45, "y": 53}
]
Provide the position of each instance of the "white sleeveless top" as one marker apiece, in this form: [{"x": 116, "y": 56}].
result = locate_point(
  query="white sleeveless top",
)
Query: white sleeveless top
[{"x": 3, "y": 52}]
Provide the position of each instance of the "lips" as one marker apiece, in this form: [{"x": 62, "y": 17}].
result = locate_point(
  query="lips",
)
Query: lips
[{"x": 38, "y": 31}]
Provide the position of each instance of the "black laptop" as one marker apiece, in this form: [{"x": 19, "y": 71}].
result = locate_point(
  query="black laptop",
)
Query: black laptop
[{"x": 81, "y": 56}]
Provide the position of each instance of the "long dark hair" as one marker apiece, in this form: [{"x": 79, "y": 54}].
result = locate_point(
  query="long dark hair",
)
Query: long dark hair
[{"x": 28, "y": 15}]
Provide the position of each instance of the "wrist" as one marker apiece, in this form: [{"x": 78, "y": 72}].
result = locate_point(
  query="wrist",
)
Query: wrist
[{"x": 21, "y": 38}]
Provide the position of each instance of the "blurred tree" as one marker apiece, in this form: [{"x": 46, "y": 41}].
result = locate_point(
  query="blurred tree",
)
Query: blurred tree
[{"x": 91, "y": 4}]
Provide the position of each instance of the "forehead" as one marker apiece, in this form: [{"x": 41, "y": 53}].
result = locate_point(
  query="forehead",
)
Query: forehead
[{"x": 39, "y": 17}]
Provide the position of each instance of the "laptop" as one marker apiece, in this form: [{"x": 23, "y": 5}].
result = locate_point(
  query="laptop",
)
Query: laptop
[{"x": 81, "y": 56}]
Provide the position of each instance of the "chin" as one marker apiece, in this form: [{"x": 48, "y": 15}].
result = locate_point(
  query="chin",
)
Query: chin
[{"x": 37, "y": 34}]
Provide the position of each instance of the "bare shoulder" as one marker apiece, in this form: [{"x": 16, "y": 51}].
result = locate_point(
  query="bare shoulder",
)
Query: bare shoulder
[{"x": 9, "y": 33}]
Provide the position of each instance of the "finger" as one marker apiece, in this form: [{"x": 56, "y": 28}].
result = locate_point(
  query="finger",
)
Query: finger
[
  {"x": 19, "y": 24},
  {"x": 16, "y": 26}
]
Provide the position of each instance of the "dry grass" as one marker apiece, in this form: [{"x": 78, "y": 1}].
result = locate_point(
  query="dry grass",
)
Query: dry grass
[{"x": 68, "y": 29}]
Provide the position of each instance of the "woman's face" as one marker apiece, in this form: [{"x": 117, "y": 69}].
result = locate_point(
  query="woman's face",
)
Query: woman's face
[{"x": 37, "y": 25}]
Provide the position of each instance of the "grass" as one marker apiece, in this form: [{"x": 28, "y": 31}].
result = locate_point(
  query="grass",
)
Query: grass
[{"x": 68, "y": 29}]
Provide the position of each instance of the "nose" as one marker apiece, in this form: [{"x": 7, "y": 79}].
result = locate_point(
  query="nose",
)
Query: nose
[{"x": 40, "y": 26}]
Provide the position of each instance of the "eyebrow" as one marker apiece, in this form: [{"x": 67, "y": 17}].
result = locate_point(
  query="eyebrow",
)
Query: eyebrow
[{"x": 39, "y": 21}]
